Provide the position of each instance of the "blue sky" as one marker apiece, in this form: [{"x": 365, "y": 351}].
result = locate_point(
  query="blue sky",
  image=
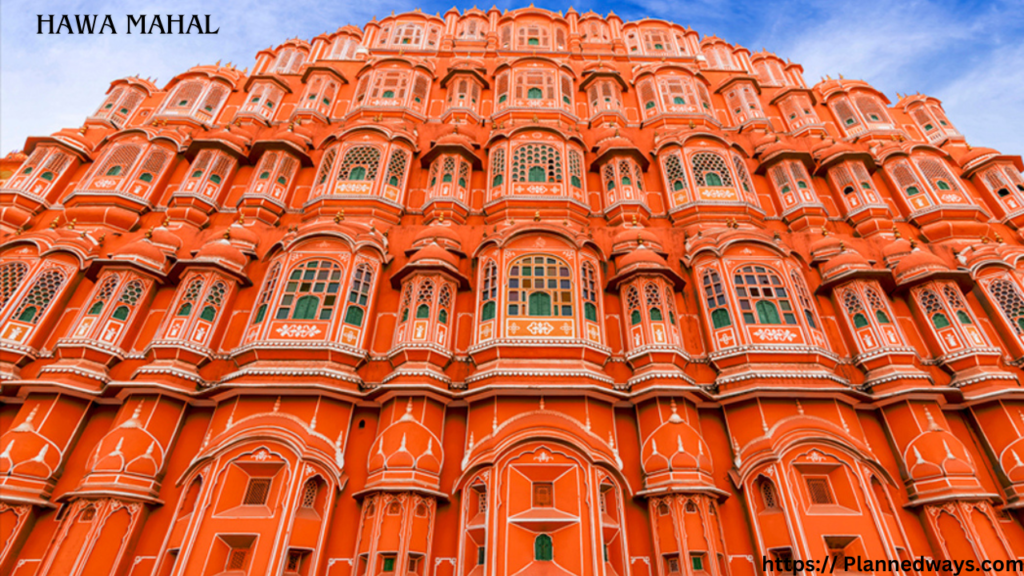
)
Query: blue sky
[{"x": 969, "y": 54}]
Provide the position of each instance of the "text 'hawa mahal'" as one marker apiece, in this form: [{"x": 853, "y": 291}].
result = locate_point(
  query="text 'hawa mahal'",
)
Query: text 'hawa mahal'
[{"x": 500, "y": 294}]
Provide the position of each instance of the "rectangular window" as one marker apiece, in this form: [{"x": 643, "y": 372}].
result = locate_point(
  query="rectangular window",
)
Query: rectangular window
[
  {"x": 236, "y": 559},
  {"x": 481, "y": 554},
  {"x": 543, "y": 495},
  {"x": 388, "y": 564},
  {"x": 820, "y": 491},
  {"x": 257, "y": 492},
  {"x": 672, "y": 563},
  {"x": 697, "y": 561}
]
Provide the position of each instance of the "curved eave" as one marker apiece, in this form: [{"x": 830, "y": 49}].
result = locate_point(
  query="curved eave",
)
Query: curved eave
[
  {"x": 199, "y": 144},
  {"x": 260, "y": 146},
  {"x": 267, "y": 78},
  {"x": 884, "y": 277},
  {"x": 76, "y": 148},
  {"x": 99, "y": 265},
  {"x": 182, "y": 265},
  {"x": 314, "y": 68},
  {"x": 973, "y": 166},
  {"x": 737, "y": 79},
  {"x": 640, "y": 268},
  {"x": 468, "y": 72},
  {"x": 794, "y": 90},
  {"x": 456, "y": 147},
  {"x": 825, "y": 163},
  {"x": 630, "y": 151},
  {"x": 777, "y": 156},
  {"x": 428, "y": 266},
  {"x": 961, "y": 276},
  {"x": 590, "y": 76}
]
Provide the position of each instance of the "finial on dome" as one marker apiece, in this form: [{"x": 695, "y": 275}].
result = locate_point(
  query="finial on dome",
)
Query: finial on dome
[
  {"x": 536, "y": 216},
  {"x": 149, "y": 233}
]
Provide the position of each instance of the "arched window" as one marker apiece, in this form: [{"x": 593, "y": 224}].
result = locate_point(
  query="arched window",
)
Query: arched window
[
  {"x": 542, "y": 549},
  {"x": 633, "y": 305},
  {"x": 498, "y": 167},
  {"x": 309, "y": 493},
  {"x": 855, "y": 309},
  {"x": 933, "y": 309},
  {"x": 311, "y": 292},
  {"x": 589, "y": 286},
  {"x": 768, "y": 498},
  {"x": 714, "y": 297},
  {"x": 39, "y": 297},
  {"x": 360, "y": 163},
  {"x": 396, "y": 167},
  {"x": 1007, "y": 295},
  {"x": 956, "y": 302},
  {"x": 652, "y": 296},
  {"x": 709, "y": 169},
  {"x": 406, "y": 303},
  {"x": 11, "y": 275},
  {"x": 130, "y": 296},
  {"x": 536, "y": 163},
  {"x": 803, "y": 296},
  {"x": 489, "y": 292},
  {"x": 762, "y": 297},
  {"x": 191, "y": 296},
  {"x": 269, "y": 284},
  {"x": 575, "y": 168},
  {"x": 103, "y": 296},
  {"x": 675, "y": 174},
  {"x": 878, "y": 305},
  {"x": 444, "y": 302},
  {"x": 423, "y": 299},
  {"x": 359, "y": 295},
  {"x": 540, "y": 286},
  {"x": 214, "y": 299}
]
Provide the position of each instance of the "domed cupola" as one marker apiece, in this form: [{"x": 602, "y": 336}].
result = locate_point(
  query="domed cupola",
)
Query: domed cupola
[
  {"x": 675, "y": 458},
  {"x": 406, "y": 455}
]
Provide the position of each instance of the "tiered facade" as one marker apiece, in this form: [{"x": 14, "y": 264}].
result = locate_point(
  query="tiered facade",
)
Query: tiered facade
[{"x": 506, "y": 294}]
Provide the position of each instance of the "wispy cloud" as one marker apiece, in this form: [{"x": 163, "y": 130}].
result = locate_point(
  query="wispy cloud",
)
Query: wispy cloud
[{"x": 965, "y": 52}]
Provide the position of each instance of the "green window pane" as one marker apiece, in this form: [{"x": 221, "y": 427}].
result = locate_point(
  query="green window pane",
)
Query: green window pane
[
  {"x": 939, "y": 320},
  {"x": 540, "y": 304},
  {"x": 537, "y": 174},
  {"x": 488, "y": 311},
  {"x": 649, "y": 105},
  {"x": 48, "y": 176},
  {"x": 405, "y": 315},
  {"x": 963, "y": 317},
  {"x": 261, "y": 312},
  {"x": 542, "y": 549},
  {"x": 677, "y": 185},
  {"x": 389, "y": 564},
  {"x": 859, "y": 321},
  {"x": 497, "y": 180},
  {"x": 185, "y": 309},
  {"x": 388, "y": 94},
  {"x": 534, "y": 94},
  {"x": 678, "y": 100},
  {"x": 96, "y": 308},
  {"x": 208, "y": 313},
  {"x": 882, "y": 318},
  {"x": 423, "y": 311},
  {"x": 146, "y": 177},
  {"x": 656, "y": 314},
  {"x": 442, "y": 316},
  {"x": 590, "y": 312},
  {"x": 305, "y": 308},
  {"x": 115, "y": 171},
  {"x": 720, "y": 318},
  {"x": 713, "y": 179},
  {"x": 120, "y": 313},
  {"x": 634, "y": 317},
  {"x": 357, "y": 173},
  {"x": 354, "y": 316},
  {"x": 28, "y": 314},
  {"x": 215, "y": 179},
  {"x": 942, "y": 185},
  {"x": 767, "y": 313},
  {"x": 912, "y": 190}
]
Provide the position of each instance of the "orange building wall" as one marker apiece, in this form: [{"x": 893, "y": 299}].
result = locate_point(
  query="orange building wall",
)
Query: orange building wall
[{"x": 287, "y": 320}]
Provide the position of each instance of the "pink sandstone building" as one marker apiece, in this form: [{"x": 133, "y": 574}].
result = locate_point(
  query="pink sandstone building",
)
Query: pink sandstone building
[{"x": 508, "y": 294}]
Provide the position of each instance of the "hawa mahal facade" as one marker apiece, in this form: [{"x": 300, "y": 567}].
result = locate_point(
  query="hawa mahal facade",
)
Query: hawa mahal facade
[{"x": 520, "y": 293}]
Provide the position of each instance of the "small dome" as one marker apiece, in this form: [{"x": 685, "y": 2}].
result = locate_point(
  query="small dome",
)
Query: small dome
[
  {"x": 222, "y": 252},
  {"x": 642, "y": 257},
  {"x": 975, "y": 154},
  {"x": 165, "y": 238},
  {"x": 433, "y": 253},
  {"x": 673, "y": 447},
  {"x": 443, "y": 235},
  {"x": 937, "y": 452},
  {"x": 142, "y": 252},
  {"x": 919, "y": 263},
  {"x": 406, "y": 444},
  {"x": 243, "y": 237},
  {"x": 845, "y": 262},
  {"x": 631, "y": 237},
  {"x": 825, "y": 247},
  {"x": 895, "y": 250}
]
